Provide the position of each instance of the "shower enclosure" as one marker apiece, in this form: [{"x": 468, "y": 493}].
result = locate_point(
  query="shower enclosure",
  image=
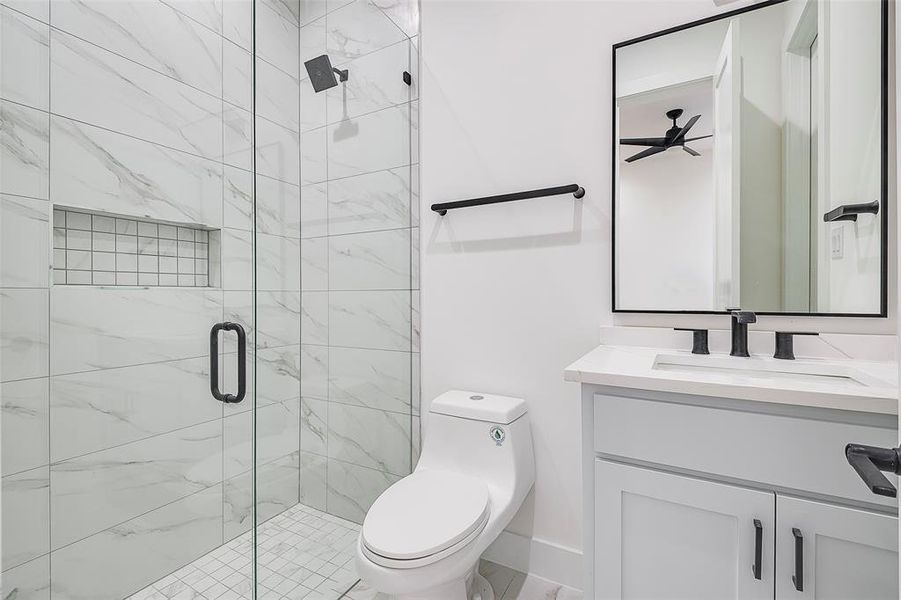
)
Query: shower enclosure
[{"x": 170, "y": 182}]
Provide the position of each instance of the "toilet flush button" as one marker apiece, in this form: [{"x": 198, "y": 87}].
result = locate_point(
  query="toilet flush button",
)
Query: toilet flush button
[{"x": 477, "y": 397}]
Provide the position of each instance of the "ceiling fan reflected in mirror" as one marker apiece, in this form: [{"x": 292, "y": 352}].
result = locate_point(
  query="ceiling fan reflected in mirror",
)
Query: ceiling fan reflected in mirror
[{"x": 675, "y": 136}]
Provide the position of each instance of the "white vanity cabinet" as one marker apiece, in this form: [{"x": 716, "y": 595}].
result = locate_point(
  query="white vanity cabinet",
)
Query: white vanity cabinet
[{"x": 678, "y": 487}]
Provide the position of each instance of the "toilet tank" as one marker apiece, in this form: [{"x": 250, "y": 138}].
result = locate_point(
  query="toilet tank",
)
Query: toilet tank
[{"x": 482, "y": 435}]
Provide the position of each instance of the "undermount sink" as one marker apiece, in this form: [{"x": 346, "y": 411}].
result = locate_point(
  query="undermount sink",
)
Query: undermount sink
[{"x": 760, "y": 367}]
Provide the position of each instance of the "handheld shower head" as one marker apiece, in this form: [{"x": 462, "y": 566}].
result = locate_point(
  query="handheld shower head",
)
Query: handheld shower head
[{"x": 322, "y": 73}]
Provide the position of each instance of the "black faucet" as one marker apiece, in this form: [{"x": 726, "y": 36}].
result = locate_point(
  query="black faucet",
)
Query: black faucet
[{"x": 740, "y": 320}]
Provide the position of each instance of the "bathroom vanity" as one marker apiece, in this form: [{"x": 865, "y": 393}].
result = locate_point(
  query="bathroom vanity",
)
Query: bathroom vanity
[{"x": 720, "y": 477}]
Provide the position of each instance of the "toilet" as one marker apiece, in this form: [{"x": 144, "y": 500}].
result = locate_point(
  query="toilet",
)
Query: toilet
[{"x": 424, "y": 536}]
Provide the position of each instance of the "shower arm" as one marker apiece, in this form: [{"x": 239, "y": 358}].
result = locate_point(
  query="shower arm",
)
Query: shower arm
[{"x": 342, "y": 74}]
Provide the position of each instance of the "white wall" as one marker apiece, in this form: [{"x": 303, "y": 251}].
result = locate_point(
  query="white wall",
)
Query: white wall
[{"x": 517, "y": 95}]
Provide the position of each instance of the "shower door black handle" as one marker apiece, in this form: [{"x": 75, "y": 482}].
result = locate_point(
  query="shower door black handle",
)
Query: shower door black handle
[{"x": 214, "y": 362}]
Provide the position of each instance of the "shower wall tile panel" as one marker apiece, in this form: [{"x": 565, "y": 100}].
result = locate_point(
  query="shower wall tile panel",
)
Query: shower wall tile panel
[
  {"x": 95, "y": 86},
  {"x": 151, "y": 34},
  {"x": 107, "y": 171},
  {"x": 352, "y": 489},
  {"x": 25, "y": 422},
  {"x": 93, "y": 492},
  {"x": 104, "y": 565},
  {"x": 29, "y": 581},
  {"x": 96, "y": 328},
  {"x": 24, "y": 333},
  {"x": 24, "y": 59},
  {"x": 24, "y": 150},
  {"x": 100, "y": 409},
  {"x": 357, "y": 225},
  {"x": 25, "y": 235},
  {"x": 377, "y": 141},
  {"x": 26, "y": 516},
  {"x": 358, "y": 29},
  {"x": 371, "y": 202}
]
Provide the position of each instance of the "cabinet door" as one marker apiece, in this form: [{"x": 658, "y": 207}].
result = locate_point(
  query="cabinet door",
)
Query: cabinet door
[
  {"x": 844, "y": 553},
  {"x": 664, "y": 536}
]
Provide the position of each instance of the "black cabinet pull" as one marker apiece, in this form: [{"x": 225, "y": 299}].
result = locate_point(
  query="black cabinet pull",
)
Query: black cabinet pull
[
  {"x": 798, "y": 577},
  {"x": 758, "y": 549},
  {"x": 214, "y": 362}
]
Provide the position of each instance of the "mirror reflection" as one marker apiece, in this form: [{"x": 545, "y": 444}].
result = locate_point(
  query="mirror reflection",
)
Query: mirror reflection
[{"x": 749, "y": 159}]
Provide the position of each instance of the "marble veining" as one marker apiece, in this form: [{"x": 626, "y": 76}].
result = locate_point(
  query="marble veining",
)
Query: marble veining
[
  {"x": 24, "y": 418},
  {"x": 314, "y": 369},
  {"x": 370, "y": 202},
  {"x": 313, "y": 425},
  {"x": 101, "y": 409},
  {"x": 102, "y": 170},
  {"x": 24, "y": 150},
  {"x": 94, "y": 492},
  {"x": 187, "y": 529},
  {"x": 360, "y": 28},
  {"x": 94, "y": 328},
  {"x": 24, "y": 59},
  {"x": 371, "y": 438},
  {"x": 97, "y": 87},
  {"x": 370, "y": 319},
  {"x": 24, "y": 334},
  {"x": 373, "y": 378},
  {"x": 150, "y": 33},
  {"x": 375, "y": 260},
  {"x": 353, "y": 488},
  {"x": 24, "y": 242},
  {"x": 372, "y": 142},
  {"x": 374, "y": 86},
  {"x": 26, "y": 516}
]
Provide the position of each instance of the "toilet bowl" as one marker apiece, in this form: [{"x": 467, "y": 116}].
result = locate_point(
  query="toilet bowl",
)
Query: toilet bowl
[{"x": 424, "y": 536}]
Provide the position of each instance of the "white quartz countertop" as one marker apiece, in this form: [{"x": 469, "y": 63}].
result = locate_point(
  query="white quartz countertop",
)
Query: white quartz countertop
[{"x": 862, "y": 386}]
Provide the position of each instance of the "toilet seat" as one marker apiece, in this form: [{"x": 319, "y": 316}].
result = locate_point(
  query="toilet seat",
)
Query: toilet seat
[{"x": 424, "y": 517}]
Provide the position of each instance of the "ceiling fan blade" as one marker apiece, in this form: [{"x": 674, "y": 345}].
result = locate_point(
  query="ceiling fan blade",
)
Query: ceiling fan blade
[
  {"x": 686, "y": 127},
  {"x": 653, "y": 141},
  {"x": 700, "y": 137},
  {"x": 645, "y": 154},
  {"x": 690, "y": 151}
]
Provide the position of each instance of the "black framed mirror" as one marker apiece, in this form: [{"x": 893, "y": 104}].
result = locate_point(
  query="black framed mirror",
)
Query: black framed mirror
[{"x": 750, "y": 163}]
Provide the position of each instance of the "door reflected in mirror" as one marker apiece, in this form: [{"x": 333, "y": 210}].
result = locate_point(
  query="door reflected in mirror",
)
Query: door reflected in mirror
[{"x": 749, "y": 162}]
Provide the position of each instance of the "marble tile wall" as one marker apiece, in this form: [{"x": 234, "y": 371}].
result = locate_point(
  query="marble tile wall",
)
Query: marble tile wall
[
  {"x": 121, "y": 459},
  {"x": 118, "y": 467},
  {"x": 359, "y": 232}
]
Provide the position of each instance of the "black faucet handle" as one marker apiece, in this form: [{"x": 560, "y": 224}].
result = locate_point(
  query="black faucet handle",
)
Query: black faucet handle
[
  {"x": 698, "y": 340},
  {"x": 743, "y": 316},
  {"x": 785, "y": 344}
]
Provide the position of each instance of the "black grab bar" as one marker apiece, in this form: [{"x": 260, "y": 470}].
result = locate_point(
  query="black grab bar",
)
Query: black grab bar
[{"x": 575, "y": 189}]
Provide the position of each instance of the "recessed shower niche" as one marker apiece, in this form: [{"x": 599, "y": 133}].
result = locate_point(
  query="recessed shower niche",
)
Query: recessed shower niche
[{"x": 92, "y": 248}]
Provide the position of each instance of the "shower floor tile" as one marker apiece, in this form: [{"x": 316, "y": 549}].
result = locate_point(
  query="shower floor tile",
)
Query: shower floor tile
[{"x": 303, "y": 554}]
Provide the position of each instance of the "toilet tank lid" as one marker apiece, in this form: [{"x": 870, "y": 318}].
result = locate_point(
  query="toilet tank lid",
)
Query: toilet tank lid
[{"x": 479, "y": 406}]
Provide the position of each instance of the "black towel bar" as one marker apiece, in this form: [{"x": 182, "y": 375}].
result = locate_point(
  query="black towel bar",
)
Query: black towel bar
[{"x": 575, "y": 189}]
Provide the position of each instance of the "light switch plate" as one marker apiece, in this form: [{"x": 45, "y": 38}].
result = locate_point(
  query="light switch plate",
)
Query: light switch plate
[{"x": 836, "y": 244}]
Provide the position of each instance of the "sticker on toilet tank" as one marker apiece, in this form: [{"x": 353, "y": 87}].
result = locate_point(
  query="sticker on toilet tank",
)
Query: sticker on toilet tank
[{"x": 498, "y": 434}]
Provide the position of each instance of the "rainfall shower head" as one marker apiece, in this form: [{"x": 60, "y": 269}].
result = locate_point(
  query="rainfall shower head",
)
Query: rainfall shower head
[{"x": 322, "y": 73}]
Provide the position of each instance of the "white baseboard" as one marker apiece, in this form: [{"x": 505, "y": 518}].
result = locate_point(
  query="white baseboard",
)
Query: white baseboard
[{"x": 547, "y": 560}]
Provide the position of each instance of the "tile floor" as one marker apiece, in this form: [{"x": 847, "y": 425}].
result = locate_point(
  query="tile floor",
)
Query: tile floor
[
  {"x": 304, "y": 554},
  {"x": 507, "y": 583}
]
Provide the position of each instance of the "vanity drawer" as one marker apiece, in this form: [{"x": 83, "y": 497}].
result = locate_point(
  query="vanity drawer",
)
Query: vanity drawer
[{"x": 785, "y": 452}]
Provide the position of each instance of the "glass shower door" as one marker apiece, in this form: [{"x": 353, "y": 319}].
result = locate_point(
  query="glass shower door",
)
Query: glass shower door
[
  {"x": 336, "y": 233},
  {"x": 126, "y": 235}
]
